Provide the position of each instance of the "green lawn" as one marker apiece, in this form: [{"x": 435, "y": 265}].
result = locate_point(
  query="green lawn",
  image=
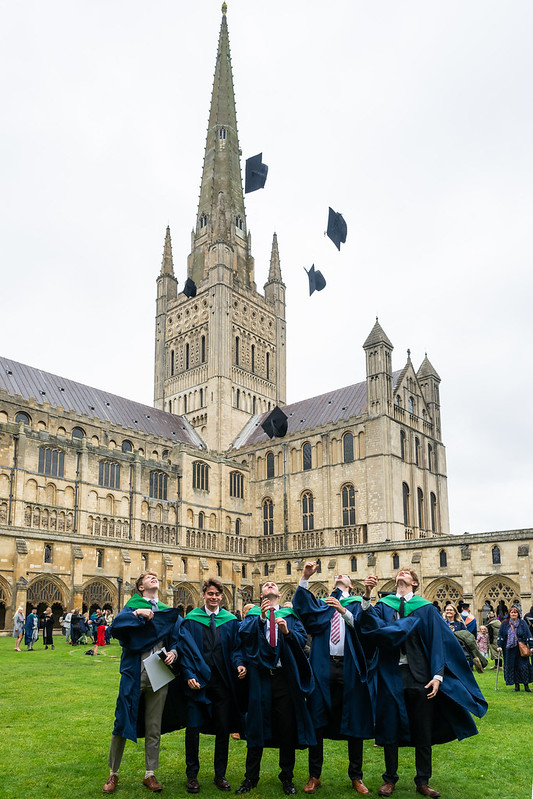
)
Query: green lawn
[{"x": 57, "y": 712}]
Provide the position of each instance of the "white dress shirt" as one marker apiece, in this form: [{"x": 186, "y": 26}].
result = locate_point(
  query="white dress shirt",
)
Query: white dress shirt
[{"x": 337, "y": 649}]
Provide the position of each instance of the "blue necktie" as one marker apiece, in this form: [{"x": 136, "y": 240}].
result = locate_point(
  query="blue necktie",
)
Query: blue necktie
[{"x": 212, "y": 624}]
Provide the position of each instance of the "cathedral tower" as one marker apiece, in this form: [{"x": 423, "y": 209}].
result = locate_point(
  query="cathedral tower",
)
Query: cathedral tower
[{"x": 222, "y": 352}]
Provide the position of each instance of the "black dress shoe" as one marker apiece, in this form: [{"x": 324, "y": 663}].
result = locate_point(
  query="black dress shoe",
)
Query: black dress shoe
[
  {"x": 193, "y": 786},
  {"x": 288, "y": 787},
  {"x": 222, "y": 784},
  {"x": 246, "y": 786}
]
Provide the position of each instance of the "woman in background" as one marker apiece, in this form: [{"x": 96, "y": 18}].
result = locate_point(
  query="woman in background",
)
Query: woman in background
[
  {"x": 18, "y": 628},
  {"x": 516, "y": 669}
]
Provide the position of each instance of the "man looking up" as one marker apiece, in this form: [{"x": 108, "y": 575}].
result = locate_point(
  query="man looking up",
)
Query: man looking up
[
  {"x": 212, "y": 708},
  {"x": 144, "y": 626},
  {"x": 279, "y": 679},
  {"x": 425, "y": 690},
  {"x": 340, "y": 703}
]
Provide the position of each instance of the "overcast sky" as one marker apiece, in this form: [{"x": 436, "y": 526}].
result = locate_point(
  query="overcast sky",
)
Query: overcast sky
[{"x": 414, "y": 119}]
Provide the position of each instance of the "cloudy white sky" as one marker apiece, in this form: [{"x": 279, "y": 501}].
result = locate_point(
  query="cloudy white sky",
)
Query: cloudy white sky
[{"x": 413, "y": 118}]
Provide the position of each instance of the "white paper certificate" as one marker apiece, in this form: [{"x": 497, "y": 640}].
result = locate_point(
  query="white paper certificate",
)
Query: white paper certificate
[{"x": 158, "y": 672}]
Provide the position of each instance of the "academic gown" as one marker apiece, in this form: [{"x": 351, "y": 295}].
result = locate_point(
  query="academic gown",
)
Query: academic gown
[
  {"x": 198, "y": 704},
  {"x": 516, "y": 669},
  {"x": 138, "y": 635},
  {"x": 458, "y": 695},
  {"x": 260, "y": 657},
  {"x": 30, "y": 629},
  {"x": 357, "y": 715}
]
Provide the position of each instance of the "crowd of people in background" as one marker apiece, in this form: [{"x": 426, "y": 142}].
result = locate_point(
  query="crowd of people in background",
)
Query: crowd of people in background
[{"x": 77, "y": 628}]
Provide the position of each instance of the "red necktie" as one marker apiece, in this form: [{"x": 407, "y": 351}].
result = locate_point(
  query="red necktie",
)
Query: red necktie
[
  {"x": 272, "y": 631},
  {"x": 336, "y": 628}
]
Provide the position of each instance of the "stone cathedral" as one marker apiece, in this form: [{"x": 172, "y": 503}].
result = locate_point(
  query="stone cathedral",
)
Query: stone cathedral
[{"x": 95, "y": 488}]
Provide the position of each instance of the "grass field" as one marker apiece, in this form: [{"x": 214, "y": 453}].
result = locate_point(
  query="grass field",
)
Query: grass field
[{"x": 57, "y": 711}]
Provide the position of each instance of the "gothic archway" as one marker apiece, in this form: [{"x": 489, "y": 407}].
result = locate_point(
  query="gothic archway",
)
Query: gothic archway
[
  {"x": 5, "y": 601},
  {"x": 443, "y": 591},
  {"x": 494, "y": 590},
  {"x": 98, "y": 594},
  {"x": 185, "y": 598},
  {"x": 287, "y": 593},
  {"x": 44, "y": 592},
  {"x": 319, "y": 590}
]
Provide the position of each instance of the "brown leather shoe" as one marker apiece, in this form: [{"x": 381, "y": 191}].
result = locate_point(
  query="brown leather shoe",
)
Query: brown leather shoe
[
  {"x": 111, "y": 784},
  {"x": 312, "y": 784},
  {"x": 152, "y": 784},
  {"x": 386, "y": 789},
  {"x": 359, "y": 786},
  {"x": 425, "y": 790},
  {"x": 222, "y": 784},
  {"x": 193, "y": 786}
]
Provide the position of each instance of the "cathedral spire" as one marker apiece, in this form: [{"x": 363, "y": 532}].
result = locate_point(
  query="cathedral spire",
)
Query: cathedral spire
[
  {"x": 221, "y": 216},
  {"x": 167, "y": 264},
  {"x": 274, "y": 273}
]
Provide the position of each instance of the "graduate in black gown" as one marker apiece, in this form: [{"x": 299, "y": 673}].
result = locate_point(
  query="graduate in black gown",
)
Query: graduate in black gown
[
  {"x": 425, "y": 691},
  {"x": 340, "y": 704},
  {"x": 280, "y": 679}
]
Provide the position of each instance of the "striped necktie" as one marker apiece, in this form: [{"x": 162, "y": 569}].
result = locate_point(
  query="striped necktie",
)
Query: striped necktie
[{"x": 336, "y": 628}]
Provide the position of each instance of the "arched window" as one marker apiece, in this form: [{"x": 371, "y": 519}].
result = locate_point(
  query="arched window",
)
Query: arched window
[
  {"x": 443, "y": 558},
  {"x": 306, "y": 456},
  {"x": 433, "y": 503},
  {"x": 127, "y": 446},
  {"x": 237, "y": 350},
  {"x": 266, "y": 570},
  {"x": 402, "y": 445},
  {"x": 395, "y": 561},
  {"x": 202, "y": 349},
  {"x": 158, "y": 485},
  {"x": 222, "y": 133},
  {"x": 347, "y": 447},
  {"x": 185, "y": 403},
  {"x": 270, "y": 464},
  {"x": 318, "y": 566},
  {"x": 187, "y": 355},
  {"x": 268, "y": 516},
  {"x": 254, "y": 403},
  {"x": 48, "y": 553},
  {"x": 308, "y": 515},
  {"x": 78, "y": 432},
  {"x": 288, "y": 567},
  {"x": 411, "y": 405},
  {"x": 237, "y": 397},
  {"x": 348, "y": 505},
  {"x": 398, "y": 401},
  {"x": 406, "y": 514},
  {"x": 267, "y": 365},
  {"x": 237, "y": 526},
  {"x": 200, "y": 476},
  {"x": 171, "y": 362},
  {"x": 353, "y": 563},
  {"x": 201, "y": 398},
  {"x": 236, "y": 485},
  {"x": 203, "y": 221},
  {"x": 496, "y": 555},
  {"x": 430, "y": 457},
  {"x": 417, "y": 451},
  {"x": 252, "y": 358},
  {"x": 22, "y": 418},
  {"x": 51, "y": 461},
  {"x": 420, "y": 502},
  {"x": 201, "y": 520}
]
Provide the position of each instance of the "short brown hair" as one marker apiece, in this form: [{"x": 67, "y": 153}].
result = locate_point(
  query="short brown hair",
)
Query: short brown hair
[
  {"x": 141, "y": 577},
  {"x": 215, "y": 582},
  {"x": 414, "y": 577}
]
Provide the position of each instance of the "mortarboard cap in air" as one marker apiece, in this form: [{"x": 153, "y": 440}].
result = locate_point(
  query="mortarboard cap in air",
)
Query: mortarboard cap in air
[
  {"x": 337, "y": 228},
  {"x": 189, "y": 288},
  {"x": 317, "y": 281},
  {"x": 275, "y": 425},
  {"x": 255, "y": 173}
]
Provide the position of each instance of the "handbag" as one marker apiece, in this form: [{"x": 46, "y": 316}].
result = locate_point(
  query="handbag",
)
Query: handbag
[{"x": 523, "y": 649}]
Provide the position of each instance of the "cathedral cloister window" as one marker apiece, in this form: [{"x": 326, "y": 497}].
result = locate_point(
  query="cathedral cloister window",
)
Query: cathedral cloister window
[
  {"x": 236, "y": 485},
  {"x": 51, "y": 462},
  {"x": 270, "y": 465},
  {"x": 200, "y": 476},
  {"x": 308, "y": 514},
  {"x": 307, "y": 457},
  {"x": 268, "y": 516},
  {"x": 109, "y": 474},
  {"x": 347, "y": 447},
  {"x": 348, "y": 505},
  {"x": 158, "y": 485}
]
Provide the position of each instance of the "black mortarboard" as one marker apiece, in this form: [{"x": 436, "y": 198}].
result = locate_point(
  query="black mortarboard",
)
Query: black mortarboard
[
  {"x": 317, "y": 281},
  {"x": 337, "y": 228},
  {"x": 275, "y": 425},
  {"x": 255, "y": 174},
  {"x": 189, "y": 288}
]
